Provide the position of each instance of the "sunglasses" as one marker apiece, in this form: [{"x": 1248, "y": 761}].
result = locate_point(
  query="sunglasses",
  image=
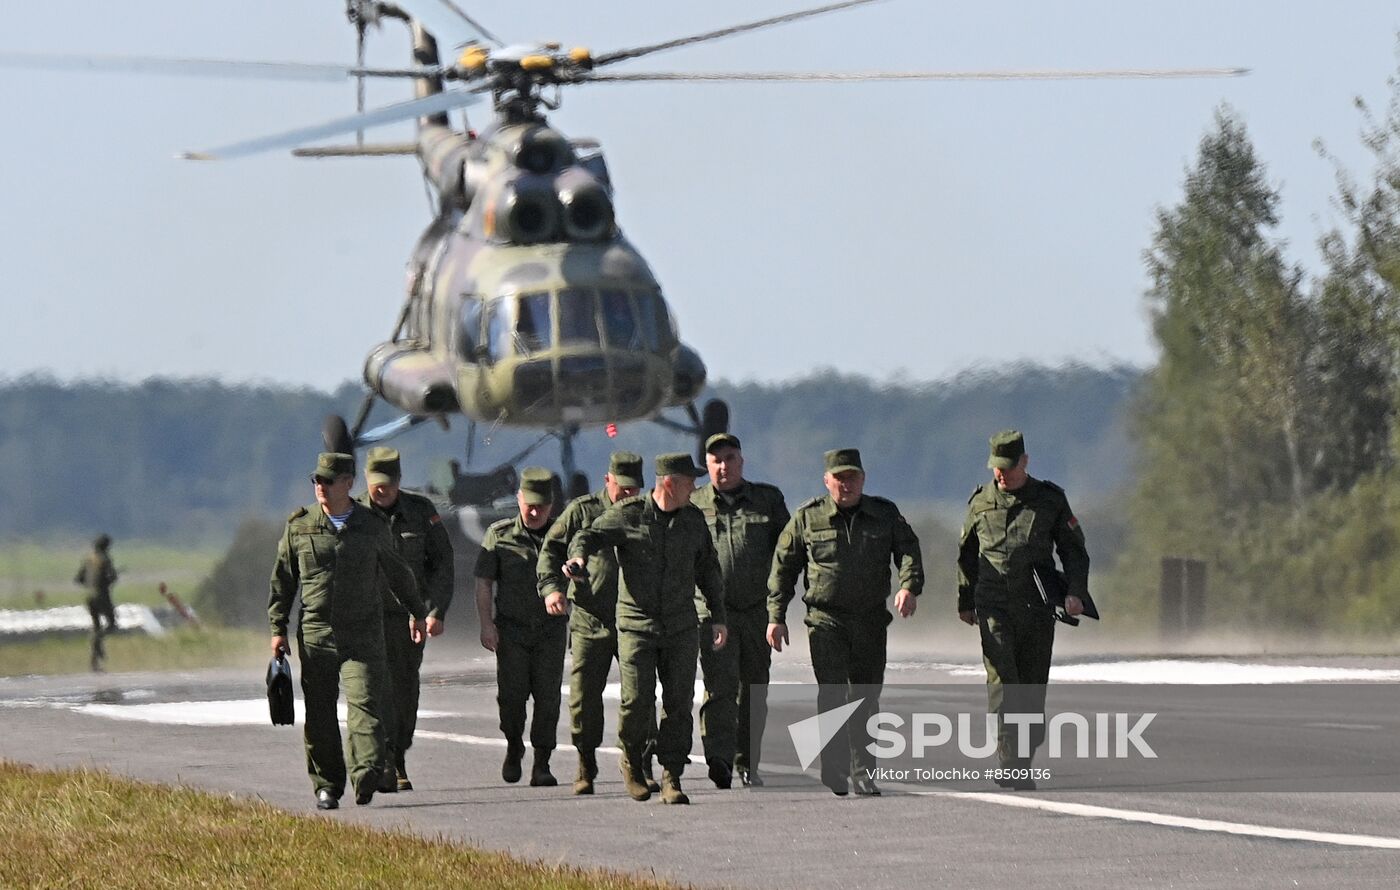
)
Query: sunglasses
[{"x": 323, "y": 481}]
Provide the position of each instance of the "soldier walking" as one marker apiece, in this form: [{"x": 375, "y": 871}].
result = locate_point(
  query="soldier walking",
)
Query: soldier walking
[
  {"x": 333, "y": 553},
  {"x": 664, "y": 552},
  {"x": 1014, "y": 528},
  {"x": 98, "y": 575},
  {"x": 845, "y": 543},
  {"x": 593, "y": 619},
  {"x": 745, "y": 519},
  {"x": 528, "y": 641},
  {"x": 420, "y": 541}
]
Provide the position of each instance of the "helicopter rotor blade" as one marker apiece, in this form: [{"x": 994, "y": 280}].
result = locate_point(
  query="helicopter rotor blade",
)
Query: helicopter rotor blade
[
  {"x": 638, "y": 51},
  {"x": 854, "y": 76},
  {"x": 231, "y": 68},
  {"x": 360, "y": 78},
  {"x": 447, "y": 22},
  {"x": 402, "y": 111}
]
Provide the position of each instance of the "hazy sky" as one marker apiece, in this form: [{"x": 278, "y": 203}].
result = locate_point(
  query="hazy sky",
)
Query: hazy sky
[{"x": 898, "y": 230}]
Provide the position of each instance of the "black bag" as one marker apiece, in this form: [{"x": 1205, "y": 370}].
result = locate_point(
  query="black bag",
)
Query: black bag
[
  {"x": 1054, "y": 587},
  {"x": 280, "y": 701}
]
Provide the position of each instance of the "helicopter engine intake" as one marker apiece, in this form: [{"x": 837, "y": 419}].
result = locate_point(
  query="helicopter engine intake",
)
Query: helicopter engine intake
[
  {"x": 527, "y": 212},
  {"x": 413, "y": 379},
  {"x": 587, "y": 207}
]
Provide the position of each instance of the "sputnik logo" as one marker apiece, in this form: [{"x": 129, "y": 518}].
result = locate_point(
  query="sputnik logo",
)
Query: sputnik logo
[{"x": 812, "y": 735}]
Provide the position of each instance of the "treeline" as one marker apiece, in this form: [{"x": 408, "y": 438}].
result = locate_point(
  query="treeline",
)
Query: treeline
[
  {"x": 1267, "y": 432},
  {"x": 193, "y": 458}
]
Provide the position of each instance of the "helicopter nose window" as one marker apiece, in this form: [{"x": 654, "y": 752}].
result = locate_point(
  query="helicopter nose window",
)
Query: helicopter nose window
[
  {"x": 532, "y": 325},
  {"x": 471, "y": 327},
  {"x": 578, "y": 321},
  {"x": 653, "y": 321},
  {"x": 618, "y": 320}
]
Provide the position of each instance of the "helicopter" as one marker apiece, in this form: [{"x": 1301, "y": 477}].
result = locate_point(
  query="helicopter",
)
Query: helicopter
[{"x": 525, "y": 305}]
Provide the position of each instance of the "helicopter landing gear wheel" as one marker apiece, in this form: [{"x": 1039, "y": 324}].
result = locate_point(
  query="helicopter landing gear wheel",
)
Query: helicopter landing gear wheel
[{"x": 335, "y": 435}]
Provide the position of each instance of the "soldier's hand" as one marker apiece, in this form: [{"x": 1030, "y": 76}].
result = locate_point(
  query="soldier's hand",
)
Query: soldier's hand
[
  {"x": 489, "y": 637},
  {"x": 1074, "y": 605},
  {"x": 905, "y": 603},
  {"x": 435, "y": 626},
  {"x": 777, "y": 636},
  {"x": 279, "y": 645},
  {"x": 417, "y": 629},
  {"x": 575, "y": 570},
  {"x": 968, "y": 616},
  {"x": 556, "y": 604},
  {"x": 721, "y": 635}
]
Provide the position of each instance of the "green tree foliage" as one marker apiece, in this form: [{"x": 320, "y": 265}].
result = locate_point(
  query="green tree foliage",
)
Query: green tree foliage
[{"x": 235, "y": 592}]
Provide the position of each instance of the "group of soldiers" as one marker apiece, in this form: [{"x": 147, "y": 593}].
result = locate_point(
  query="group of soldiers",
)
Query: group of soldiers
[{"x": 664, "y": 582}]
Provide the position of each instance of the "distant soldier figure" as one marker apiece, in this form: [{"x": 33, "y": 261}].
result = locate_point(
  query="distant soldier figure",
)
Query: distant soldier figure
[
  {"x": 745, "y": 519},
  {"x": 528, "y": 641},
  {"x": 337, "y": 554},
  {"x": 593, "y": 620},
  {"x": 845, "y": 543},
  {"x": 664, "y": 553},
  {"x": 1014, "y": 528},
  {"x": 422, "y": 542},
  {"x": 97, "y": 575}
]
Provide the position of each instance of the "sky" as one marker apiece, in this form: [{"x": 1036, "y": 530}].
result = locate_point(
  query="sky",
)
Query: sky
[{"x": 904, "y": 231}]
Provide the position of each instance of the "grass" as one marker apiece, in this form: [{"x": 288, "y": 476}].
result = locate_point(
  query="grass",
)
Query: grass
[
  {"x": 184, "y": 649},
  {"x": 27, "y": 567},
  {"x": 89, "y": 829}
]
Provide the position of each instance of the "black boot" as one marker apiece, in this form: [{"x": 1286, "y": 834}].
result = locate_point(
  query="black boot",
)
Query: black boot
[
  {"x": 510, "y": 767},
  {"x": 540, "y": 776}
]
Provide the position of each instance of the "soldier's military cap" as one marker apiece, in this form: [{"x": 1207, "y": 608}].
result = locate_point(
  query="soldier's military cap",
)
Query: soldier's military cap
[
  {"x": 677, "y": 463},
  {"x": 331, "y": 464},
  {"x": 626, "y": 469},
  {"x": 842, "y": 459},
  {"x": 1007, "y": 448},
  {"x": 102, "y": 541},
  {"x": 382, "y": 466},
  {"x": 719, "y": 439},
  {"x": 537, "y": 486}
]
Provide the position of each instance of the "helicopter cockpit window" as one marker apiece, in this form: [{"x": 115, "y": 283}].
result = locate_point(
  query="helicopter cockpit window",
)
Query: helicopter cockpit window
[
  {"x": 577, "y": 317},
  {"x": 471, "y": 327},
  {"x": 498, "y": 344},
  {"x": 618, "y": 320},
  {"x": 532, "y": 324},
  {"x": 653, "y": 321}
]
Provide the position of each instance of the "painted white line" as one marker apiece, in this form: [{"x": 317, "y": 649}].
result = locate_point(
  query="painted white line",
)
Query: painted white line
[
  {"x": 1242, "y": 829},
  {"x": 493, "y": 742}
]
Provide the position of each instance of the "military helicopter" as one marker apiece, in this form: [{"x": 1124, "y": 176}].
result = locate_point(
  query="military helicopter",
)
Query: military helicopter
[{"x": 525, "y": 304}]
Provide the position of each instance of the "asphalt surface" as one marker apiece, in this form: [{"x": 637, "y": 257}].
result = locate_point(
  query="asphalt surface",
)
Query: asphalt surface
[{"x": 914, "y": 835}]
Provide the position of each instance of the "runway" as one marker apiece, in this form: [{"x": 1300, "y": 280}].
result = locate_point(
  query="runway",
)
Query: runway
[{"x": 209, "y": 730}]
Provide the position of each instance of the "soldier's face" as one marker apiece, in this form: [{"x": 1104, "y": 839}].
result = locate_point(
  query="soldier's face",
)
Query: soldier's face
[
  {"x": 845, "y": 487},
  {"x": 1012, "y": 478},
  {"x": 334, "y": 493},
  {"x": 535, "y": 516},
  {"x": 618, "y": 492},
  {"x": 384, "y": 494},
  {"x": 726, "y": 466},
  {"x": 679, "y": 487}
]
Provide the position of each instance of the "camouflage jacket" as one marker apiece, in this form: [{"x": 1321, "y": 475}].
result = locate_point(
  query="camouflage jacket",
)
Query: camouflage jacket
[
  {"x": 508, "y": 556},
  {"x": 663, "y": 559},
  {"x": 745, "y": 527},
  {"x": 1008, "y": 532},
  {"x": 422, "y": 542},
  {"x": 341, "y": 574},
  {"x": 847, "y": 562},
  {"x": 598, "y": 594}
]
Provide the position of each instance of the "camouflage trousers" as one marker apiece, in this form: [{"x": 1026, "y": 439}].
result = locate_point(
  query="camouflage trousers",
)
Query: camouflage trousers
[
  {"x": 734, "y": 711},
  {"x": 355, "y": 664},
  {"x": 1017, "y": 641}
]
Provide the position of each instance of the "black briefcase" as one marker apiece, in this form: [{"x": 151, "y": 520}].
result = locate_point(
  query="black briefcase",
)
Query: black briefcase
[
  {"x": 281, "y": 704},
  {"x": 1054, "y": 587}
]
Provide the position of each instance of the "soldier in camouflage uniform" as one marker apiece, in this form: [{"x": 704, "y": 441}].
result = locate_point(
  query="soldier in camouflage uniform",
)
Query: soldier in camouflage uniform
[
  {"x": 337, "y": 555},
  {"x": 528, "y": 641},
  {"x": 745, "y": 519},
  {"x": 593, "y": 619},
  {"x": 845, "y": 543},
  {"x": 664, "y": 552},
  {"x": 1014, "y": 526},
  {"x": 97, "y": 575},
  {"x": 422, "y": 542}
]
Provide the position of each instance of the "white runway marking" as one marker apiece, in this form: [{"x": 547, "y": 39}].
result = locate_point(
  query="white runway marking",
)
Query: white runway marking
[
  {"x": 1242, "y": 829},
  {"x": 1179, "y": 672}
]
